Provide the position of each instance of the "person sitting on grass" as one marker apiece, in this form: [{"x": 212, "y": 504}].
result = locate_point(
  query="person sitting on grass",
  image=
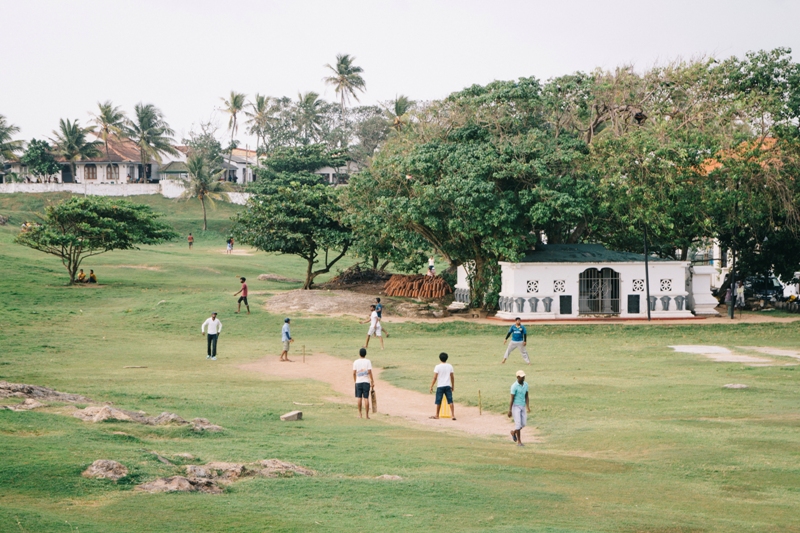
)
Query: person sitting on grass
[
  {"x": 445, "y": 380},
  {"x": 81, "y": 277},
  {"x": 92, "y": 277},
  {"x": 519, "y": 407}
]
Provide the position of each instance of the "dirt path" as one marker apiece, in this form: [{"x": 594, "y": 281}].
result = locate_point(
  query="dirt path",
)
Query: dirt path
[{"x": 392, "y": 401}]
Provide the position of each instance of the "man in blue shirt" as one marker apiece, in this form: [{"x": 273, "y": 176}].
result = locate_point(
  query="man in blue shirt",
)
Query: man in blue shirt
[
  {"x": 286, "y": 338},
  {"x": 519, "y": 339},
  {"x": 519, "y": 406}
]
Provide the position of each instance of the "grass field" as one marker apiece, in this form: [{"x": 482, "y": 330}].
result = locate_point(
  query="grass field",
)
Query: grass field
[{"x": 635, "y": 437}]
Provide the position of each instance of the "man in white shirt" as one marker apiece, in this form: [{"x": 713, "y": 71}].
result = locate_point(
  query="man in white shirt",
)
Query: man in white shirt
[
  {"x": 362, "y": 375},
  {"x": 445, "y": 380},
  {"x": 374, "y": 326},
  {"x": 214, "y": 329},
  {"x": 286, "y": 339}
]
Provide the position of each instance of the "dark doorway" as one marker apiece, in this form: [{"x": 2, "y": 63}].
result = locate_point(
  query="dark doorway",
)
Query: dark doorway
[
  {"x": 599, "y": 292},
  {"x": 66, "y": 174}
]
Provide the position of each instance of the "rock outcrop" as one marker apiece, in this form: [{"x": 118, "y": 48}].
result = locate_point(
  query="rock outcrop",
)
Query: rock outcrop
[
  {"x": 21, "y": 390},
  {"x": 101, "y": 413},
  {"x": 106, "y": 469},
  {"x": 27, "y": 405}
]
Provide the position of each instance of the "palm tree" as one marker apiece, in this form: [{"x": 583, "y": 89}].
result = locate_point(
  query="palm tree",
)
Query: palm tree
[
  {"x": 109, "y": 119},
  {"x": 397, "y": 111},
  {"x": 346, "y": 78},
  {"x": 203, "y": 184},
  {"x": 8, "y": 146},
  {"x": 259, "y": 119},
  {"x": 233, "y": 106},
  {"x": 71, "y": 144},
  {"x": 151, "y": 134},
  {"x": 308, "y": 116}
]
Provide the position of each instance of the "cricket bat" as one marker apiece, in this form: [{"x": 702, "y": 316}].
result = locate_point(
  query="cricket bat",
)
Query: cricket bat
[{"x": 374, "y": 400}]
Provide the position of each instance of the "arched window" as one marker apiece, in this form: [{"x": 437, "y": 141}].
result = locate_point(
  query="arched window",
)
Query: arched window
[
  {"x": 112, "y": 172},
  {"x": 599, "y": 292},
  {"x": 90, "y": 172}
]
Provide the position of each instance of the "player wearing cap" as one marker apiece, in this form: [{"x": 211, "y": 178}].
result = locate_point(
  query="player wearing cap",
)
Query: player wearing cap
[
  {"x": 286, "y": 338},
  {"x": 214, "y": 329},
  {"x": 519, "y": 406}
]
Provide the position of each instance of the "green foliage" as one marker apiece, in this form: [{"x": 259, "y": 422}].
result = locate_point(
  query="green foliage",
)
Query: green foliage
[
  {"x": 206, "y": 145},
  {"x": 110, "y": 120},
  {"x": 151, "y": 133},
  {"x": 204, "y": 184},
  {"x": 8, "y": 145},
  {"x": 39, "y": 159},
  {"x": 82, "y": 227},
  {"x": 292, "y": 211},
  {"x": 70, "y": 142},
  {"x": 346, "y": 78}
]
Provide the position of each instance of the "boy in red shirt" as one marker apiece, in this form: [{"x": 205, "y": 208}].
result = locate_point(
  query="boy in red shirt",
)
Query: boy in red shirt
[{"x": 243, "y": 297}]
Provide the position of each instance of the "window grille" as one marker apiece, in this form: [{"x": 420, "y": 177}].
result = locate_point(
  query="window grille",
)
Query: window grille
[
  {"x": 533, "y": 285},
  {"x": 666, "y": 285},
  {"x": 598, "y": 292},
  {"x": 559, "y": 285},
  {"x": 638, "y": 285}
]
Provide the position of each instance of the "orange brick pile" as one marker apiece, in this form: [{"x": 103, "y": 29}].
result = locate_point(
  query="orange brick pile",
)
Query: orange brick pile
[{"x": 417, "y": 286}]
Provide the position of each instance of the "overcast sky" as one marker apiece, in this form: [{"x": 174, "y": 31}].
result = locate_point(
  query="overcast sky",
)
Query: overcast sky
[{"x": 59, "y": 58}]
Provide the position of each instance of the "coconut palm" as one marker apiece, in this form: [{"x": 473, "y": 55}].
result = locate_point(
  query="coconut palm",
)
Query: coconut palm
[
  {"x": 397, "y": 111},
  {"x": 203, "y": 184},
  {"x": 308, "y": 116},
  {"x": 70, "y": 143},
  {"x": 110, "y": 119},
  {"x": 346, "y": 78},
  {"x": 151, "y": 133},
  {"x": 259, "y": 119},
  {"x": 8, "y": 146},
  {"x": 233, "y": 106}
]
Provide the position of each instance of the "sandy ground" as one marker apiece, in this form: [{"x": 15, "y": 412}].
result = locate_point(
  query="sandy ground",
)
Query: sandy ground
[
  {"x": 399, "y": 404},
  {"x": 322, "y": 302},
  {"x": 721, "y": 354}
]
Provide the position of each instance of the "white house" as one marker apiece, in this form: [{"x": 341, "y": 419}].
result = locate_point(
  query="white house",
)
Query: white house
[{"x": 573, "y": 281}]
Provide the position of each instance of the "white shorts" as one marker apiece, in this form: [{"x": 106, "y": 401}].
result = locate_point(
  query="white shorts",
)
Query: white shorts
[
  {"x": 520, "y": 416},
  {"x": 375, "y": 330}
]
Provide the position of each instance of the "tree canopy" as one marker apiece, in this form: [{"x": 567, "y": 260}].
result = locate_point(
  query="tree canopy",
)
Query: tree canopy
[{"x": 82, "y": 227}]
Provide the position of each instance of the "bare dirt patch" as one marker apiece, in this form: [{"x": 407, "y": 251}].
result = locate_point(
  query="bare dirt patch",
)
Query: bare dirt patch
[
  {"x": 275, "y": 277},
  {"x": 723, "y": 355},
  {"x": 399, "y": 404},
  {"x": 137, "y": 267},
  {"x": 781, "y": 352},
  {"x": 236, "y": 252},
  {"x": 331, "y": 303}
]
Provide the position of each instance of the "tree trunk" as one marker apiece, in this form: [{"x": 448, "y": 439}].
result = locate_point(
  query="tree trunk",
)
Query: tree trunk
[
  {"x": 203, "y": 203},
  {"x": 309, "y": 274},
  {"x": 230, "y": 151},
  {"x": 384, "y": 265},
  {"x": 684, "y": 253},
  {"x": 375, "y": 260}
]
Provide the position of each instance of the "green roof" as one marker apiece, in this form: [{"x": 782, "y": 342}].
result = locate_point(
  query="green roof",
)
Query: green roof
[
  {"x": 581, "y": 253},
  {"x": 174, "y": 167}
]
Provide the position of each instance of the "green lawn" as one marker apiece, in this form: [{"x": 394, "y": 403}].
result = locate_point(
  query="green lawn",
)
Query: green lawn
[{"x": 635, "y": 437}]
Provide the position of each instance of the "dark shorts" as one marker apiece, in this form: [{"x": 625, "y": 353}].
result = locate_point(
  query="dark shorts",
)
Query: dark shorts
[
  {"x": 362, "y": 390},
  {"x": 444, "y": 391},
  {"x": 243, "y": 299}
]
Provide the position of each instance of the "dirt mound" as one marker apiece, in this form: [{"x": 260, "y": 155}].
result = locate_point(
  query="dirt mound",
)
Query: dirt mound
[
  {"x": 180, "y": 484},
  {"x": 27, "y": 405},
  {"x": 275, "y": 277},
  {"x": 356, "y": 275},
  {"x": 21, "y": 390},
  {"x": 106, "y": 469}
]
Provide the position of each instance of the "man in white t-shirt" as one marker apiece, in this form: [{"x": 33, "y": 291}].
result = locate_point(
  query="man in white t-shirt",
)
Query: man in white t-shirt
[
  {"x": 374, "y": 326},
  {"x": 445, "y": 381},
  {"x": 362, "y": 375}
]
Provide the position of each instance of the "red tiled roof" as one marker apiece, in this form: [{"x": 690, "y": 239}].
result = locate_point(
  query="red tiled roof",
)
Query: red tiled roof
[{"x": 119, "y": 151}]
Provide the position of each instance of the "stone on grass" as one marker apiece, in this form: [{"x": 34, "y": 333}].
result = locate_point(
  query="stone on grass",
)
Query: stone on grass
[
  {"x": 106, "y": 469},
  {"x": 27, "y": 405},
  {"x": 202, "y": 424},
  {"x": 21, "y": 390},
  {"x": 292, "y": 415},
  {"x": 168, "y": 418},
  {"x": 390, "y": 477},
  {"x": 278, "y": 468},
  {"x": 735, "y": 386}
]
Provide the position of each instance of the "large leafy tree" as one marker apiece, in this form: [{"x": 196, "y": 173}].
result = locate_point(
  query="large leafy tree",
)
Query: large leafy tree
[
  {"x": 109, "y": 120},
  {"x": 8, "y": 145},
  {"x": 233, "y": 105},
  {"x": 39, "y": 159},
  {"x": 82, "y": 227},
  {"x": 70, "y": 142},
  {"x": 204, "y": 184},
  {"x": 151, "y": 133},
  {"x": 292, "y": 211},
  {"x": 345, "y": 78}
]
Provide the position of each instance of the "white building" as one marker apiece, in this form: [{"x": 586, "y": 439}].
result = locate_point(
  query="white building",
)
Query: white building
[{"x": 573, "y": 281}]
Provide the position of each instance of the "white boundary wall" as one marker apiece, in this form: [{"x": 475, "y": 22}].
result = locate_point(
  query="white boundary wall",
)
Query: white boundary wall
[{"x": 166, "y": 188}]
